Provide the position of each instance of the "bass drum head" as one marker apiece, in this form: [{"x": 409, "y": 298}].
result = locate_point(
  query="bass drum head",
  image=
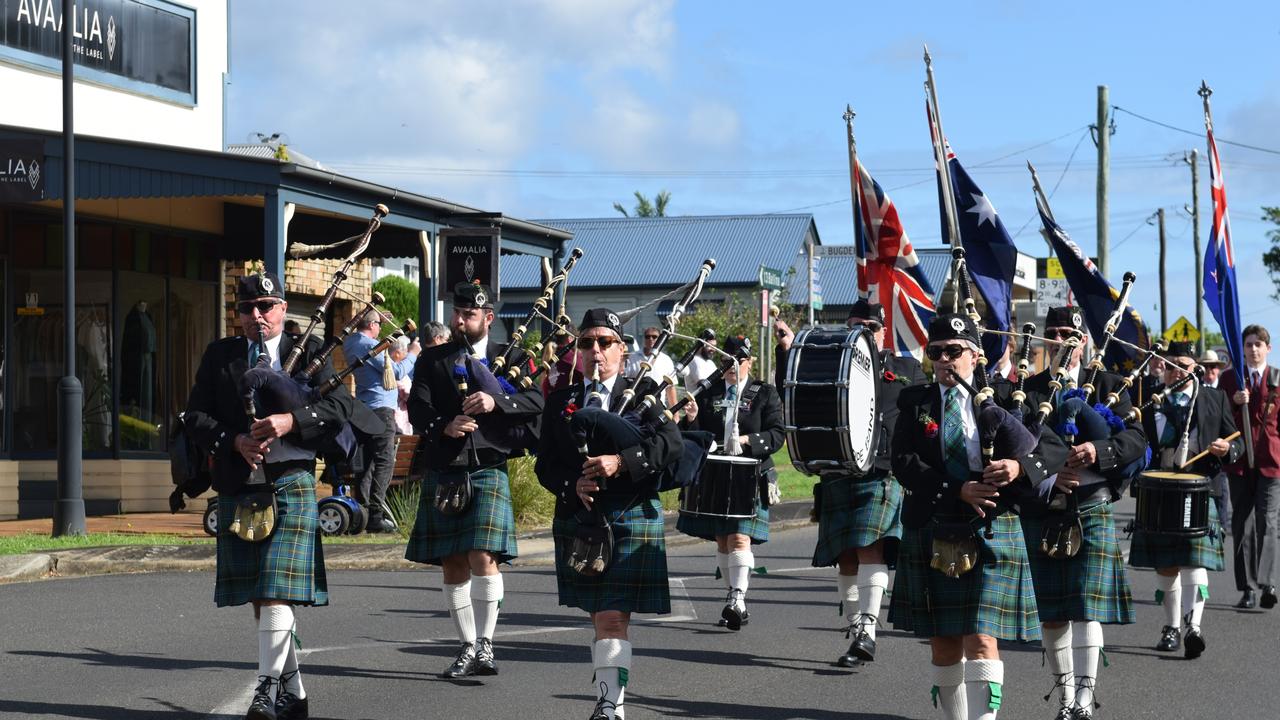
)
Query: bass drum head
[
  {"x": 861, "y": 412},
  {"x": 829, "y": 401}
]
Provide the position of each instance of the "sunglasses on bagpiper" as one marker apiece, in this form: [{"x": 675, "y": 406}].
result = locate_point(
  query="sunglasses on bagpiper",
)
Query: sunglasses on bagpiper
[
  {"x": 605, "y": 342},
  {"x": 263, "y": 306},
  {"x": 935, "y": 352}
]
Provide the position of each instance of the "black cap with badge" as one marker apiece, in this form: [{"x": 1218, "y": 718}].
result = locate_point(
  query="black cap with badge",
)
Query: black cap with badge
[
  {"x": 472, "y": 295},
  {"x": 866, "y": 310},
  {"x": 601, "y": 317},
  {"x": 1066, "y": 316},
  {"x": 953, "y": 326},
  {"x": 259, "y": 285},
  {"x": 1179, "y": 349},
  {"x": 738, "y": 346}
]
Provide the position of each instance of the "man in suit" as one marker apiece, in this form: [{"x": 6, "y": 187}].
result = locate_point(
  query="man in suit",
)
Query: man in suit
[
  {"x": 1189, "y": 420},
  {"x": 470, "y": 423},
  {"x": 961, "y": 505},
  {"x": 286, "y": 569},
  {"x": 1077, "y": 595},
  {"x": 1255, "y": 491}
]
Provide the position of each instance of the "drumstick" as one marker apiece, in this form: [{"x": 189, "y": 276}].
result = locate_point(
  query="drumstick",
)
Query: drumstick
[{"x": 1202, "y": 453}]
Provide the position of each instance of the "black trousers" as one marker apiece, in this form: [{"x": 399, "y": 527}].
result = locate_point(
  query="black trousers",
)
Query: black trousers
[
  {"x": 380, "y": 462},
  {"x": 1255, "y": 530}
]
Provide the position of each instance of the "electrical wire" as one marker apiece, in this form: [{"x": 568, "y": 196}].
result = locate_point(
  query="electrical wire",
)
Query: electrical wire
[
  {"x": 1193, "y": 133},
  {"x": 1067, "y": 167}
]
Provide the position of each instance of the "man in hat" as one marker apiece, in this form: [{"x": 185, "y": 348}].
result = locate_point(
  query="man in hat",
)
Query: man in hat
[
  {"x": 275, "y": 453},
  {"x": 1255, "y": 489},
  {"x": 1212, "y": 365},
  {"x": 1189, "y": 420},
  {"x": 471, "y": 423},
  {"x": 1077, "y": 595},
  {"x": 615, "y": 483},
  {"x": 958, "y": 509}
]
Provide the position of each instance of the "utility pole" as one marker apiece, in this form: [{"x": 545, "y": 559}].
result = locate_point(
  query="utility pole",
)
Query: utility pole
[
  {"x": 809, "y": 248},
  {"x": 1102, "y": 138},
  {"x": 1164, "y": 304},
  {"x": 1195, "y": 244}
]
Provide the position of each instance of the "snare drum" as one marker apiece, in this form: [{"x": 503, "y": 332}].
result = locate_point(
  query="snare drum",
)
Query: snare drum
[
  {"x": 1172, "y": 503},
  {"x": 829, "y": 400},
  {"x": 726, "y": 488}
]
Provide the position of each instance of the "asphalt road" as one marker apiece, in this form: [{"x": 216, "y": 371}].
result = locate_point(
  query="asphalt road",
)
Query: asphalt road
[{"x": 153, "y": 647}]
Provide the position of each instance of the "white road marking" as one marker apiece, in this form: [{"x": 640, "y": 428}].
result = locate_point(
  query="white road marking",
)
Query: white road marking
[{"x": 681, "y": 606}]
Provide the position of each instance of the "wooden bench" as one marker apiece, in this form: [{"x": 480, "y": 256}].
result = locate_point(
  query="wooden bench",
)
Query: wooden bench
[{"x": 406, "y": 446}]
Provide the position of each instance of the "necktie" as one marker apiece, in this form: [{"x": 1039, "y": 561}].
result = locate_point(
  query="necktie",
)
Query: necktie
[
  {"x": 254, "y": 351},
  {"x": 595, "y": 395},
  {"x": 953, "y": 442},
  {"x": 730, "y": 414}
]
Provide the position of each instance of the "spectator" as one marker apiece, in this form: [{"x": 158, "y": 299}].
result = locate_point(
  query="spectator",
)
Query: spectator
[
  {"x": 435, "y": 333},
  {"x": 660, "y": 363},
  {"x": 292, "y": 327},
  {"x": 400, "y": 352},
  {"x": 704, "y": 361}
]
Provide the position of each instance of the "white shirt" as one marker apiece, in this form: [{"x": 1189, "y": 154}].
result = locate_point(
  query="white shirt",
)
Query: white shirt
[
  {"x": 698, "y": 369},
  {"x": 971, "y": 444},
  {"x": 608, "y": 388},
  {"x": 480, "y": 347},
  {"x": 660, "y": 366}
]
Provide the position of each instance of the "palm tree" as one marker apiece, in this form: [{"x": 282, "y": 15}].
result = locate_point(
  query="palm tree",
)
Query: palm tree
[{"x": 645, "y": 208}]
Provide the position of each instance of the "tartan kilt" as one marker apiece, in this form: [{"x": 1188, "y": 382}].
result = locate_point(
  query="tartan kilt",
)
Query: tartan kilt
[
  {"x": 1090, "y": 586},
  {"x": 708, "y": 527},
  {"x": 289, "y": 565},
  {"x": 995, "y": 598},
  {"x": 856, "y": 512},
  {"x": 636, "y": 581},
  {"x": 488, "y": 524},
  {"x": 1147, "y": 550}
]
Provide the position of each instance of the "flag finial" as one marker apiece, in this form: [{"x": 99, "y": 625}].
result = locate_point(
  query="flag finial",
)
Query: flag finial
[
  {"x": 927, "y": 59},
  {"x": 849, "y": 114},
  {"x": 1205, "y": 91}
]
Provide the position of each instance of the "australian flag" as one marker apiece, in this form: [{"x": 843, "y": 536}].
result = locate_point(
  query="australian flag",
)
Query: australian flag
[
  {"x": 888, "y": 269},
  {"x": 1220, "y": 268},
  {"x": 1095, "y": 296},
  {"x": 989, "y": 252}
]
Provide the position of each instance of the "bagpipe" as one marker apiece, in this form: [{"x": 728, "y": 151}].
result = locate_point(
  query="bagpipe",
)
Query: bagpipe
[{"x": 507, "y": 364}]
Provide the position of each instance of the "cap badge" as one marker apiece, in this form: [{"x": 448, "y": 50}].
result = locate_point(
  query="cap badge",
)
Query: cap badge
[
  {"x": 613, "y": 320},
  {"x": 957, "y": 324},
  {"x": 1075, "y": 320}
]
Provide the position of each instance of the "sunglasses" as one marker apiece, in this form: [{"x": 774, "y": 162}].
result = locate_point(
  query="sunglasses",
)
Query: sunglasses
[
  {"x": 263, "y": 306},
  {"x": 935, "y": 352},
  {"x": 650, "y": 337},
  {"x": 1061, "y": 333},
  {"x": 871, "y": 325},
  {"x": 606, "y": 342}
]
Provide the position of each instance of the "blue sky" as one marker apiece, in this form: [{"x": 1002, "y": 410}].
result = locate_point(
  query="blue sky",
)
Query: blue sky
[{"x": 560, "y": 108}]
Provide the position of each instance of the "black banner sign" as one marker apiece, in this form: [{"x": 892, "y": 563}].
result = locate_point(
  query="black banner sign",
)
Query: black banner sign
[
  {"x": 469, "y": 254},
  {"x": 135, "y": 40},
  {"x": 22, "y": 170}
]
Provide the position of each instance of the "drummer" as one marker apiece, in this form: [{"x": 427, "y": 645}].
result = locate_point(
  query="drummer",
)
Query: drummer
[
  {"x": 745, "y": 412},
  {"x": 1188, "y": 421}
]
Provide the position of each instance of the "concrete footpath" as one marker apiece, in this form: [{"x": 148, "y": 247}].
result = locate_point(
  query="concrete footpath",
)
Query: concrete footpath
[{"x": 536, "y": 548}]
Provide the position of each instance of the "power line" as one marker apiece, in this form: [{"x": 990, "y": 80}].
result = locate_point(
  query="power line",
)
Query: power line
[
  {"x": 1193, "y": 133},
  {"x": 1056, "y": 184}
]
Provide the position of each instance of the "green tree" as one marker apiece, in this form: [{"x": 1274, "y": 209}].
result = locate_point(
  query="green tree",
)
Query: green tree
[
  {"x": 402, "y": 300},
  {"x": 738, "y": 314},
  {"x": 646, "y": 208},
  {"x": 1271, "y": 258}
]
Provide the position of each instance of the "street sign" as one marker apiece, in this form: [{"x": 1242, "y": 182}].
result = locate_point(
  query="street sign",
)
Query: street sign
[
  {"x": 1182, "y": 331},
  {"x": 835, "y": 251},
  {"x": 770, "y": 278},
  {"x": 817, "y": 302},
  {"x": 1050, "y": 292}
]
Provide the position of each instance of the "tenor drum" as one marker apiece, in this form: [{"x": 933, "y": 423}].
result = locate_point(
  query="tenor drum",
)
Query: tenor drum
[
  {"x": 829, "y": 400},
  {"x": 726, "y": 488},
  {"x": 1172, "y": 503}
]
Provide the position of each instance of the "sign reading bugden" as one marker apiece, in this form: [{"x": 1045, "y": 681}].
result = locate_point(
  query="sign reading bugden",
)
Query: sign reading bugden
[
  {"x": 21, "y": 170},
  {"x": 470, "y": 255}
]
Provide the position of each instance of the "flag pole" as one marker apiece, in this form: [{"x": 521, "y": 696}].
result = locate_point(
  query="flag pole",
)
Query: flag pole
[
  {"x": 1204, "y": 92},
  {"x": 944, "y": 169},
  {"x": 849, "y": 114}
]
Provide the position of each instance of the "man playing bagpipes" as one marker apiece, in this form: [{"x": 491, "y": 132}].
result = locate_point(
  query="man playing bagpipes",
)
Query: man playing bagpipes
[
  {"x": 604, "y": 471},
  {"x": 962, "y": 578},
  {"x": 1190, "y": 430},
  {"x": 743, "y": 413},
  {"x": 285, "y": 568},
  {"x": 470, "y": 423},
  {"x": 1076, "y": 564}
]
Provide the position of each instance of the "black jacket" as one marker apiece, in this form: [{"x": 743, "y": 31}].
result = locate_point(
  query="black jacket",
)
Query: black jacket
[
  {"x": 1210, "y": 420},
  {"x": 434, "y": 401},
  {"x": 1121, "y": 448},
  {"x": 919, "y": 465},
  {"x": 215, "y": 409},
  {"x": 559, "y": 463},
  {"x": 761, "y": 422},
  {"x": 907, "y": 373}
]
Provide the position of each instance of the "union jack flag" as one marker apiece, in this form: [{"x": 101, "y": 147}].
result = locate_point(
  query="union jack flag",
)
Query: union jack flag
[
  {"x": 888, "y": 269},
  {"x": 1220, "y": 292}
]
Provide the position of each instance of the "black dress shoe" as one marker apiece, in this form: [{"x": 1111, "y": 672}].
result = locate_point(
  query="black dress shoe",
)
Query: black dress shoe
[
  {"x": 1065, "y": 713},
  {"x": 863, "y": 647},
  {"x": 1170, "y": 640},
  {"x": 263, "y": 706},
  {"x": 291, "y": 707},
  {"x": 1268, "y": 597},
  {"x": 1248, "y": 600},
  {"x": 1193, "y": 646},
  {"x": 485, "y": 664},
  {"x": 464, "y": 665},
  {"x": 599, "y": 712},
  {"x": 733, "y": 618}
]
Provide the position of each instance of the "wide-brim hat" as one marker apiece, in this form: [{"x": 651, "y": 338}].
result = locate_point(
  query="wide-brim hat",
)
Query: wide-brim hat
[{"x": 1211, "y": 359}]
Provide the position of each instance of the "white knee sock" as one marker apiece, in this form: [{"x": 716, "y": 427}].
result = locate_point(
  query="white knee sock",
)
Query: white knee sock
[
  {"x": 1087, "y": 645},
  {"x": 488, "y": 591},
  {"x": 984, "y": 683},
  {"x": 873, "y": 580},
  {"x": 848, "y": 588},
  {"x": 613, "y": 669},
  {"x": 722, "y": 562},
  {"x": 740, "y": 564},
  {"x": 1057, "y": 656},
  {"x": 458, "y": 599},
  {"x": 1195, "y": 590},
  {"x": 275, "y": 632},
  {"x": 1169, "y": 593},
  {"x": 949, "y": 691}
]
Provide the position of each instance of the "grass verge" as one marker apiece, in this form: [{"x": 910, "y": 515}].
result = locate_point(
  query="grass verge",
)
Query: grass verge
[{"x": 39, "y": 542}]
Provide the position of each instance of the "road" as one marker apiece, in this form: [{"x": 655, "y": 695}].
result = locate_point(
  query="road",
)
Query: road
[{"x": 153, "y": 647}]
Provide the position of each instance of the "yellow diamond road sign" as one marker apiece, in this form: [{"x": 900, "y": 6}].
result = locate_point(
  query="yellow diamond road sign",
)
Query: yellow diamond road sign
[{"x": 1182, "y": 331}]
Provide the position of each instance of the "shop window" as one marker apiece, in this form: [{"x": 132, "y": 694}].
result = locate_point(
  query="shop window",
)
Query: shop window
[
  {"x": 193, "y": 313},
  {"x": 141, "y": 336}
]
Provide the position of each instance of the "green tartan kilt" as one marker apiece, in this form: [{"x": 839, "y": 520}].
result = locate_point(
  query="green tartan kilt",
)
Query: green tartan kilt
[
  {"x": 856, "y": 512},
  {"x": 289, "y": 565},
  {"x": 995, "y": 598},
  {"x": 636, "y": 581},
  {"x": 488, "y": 524},
  {"x": 708, "y": 527},
  {"x": 1090, "y": 586},
  {"x": 1147, "y": 550}
]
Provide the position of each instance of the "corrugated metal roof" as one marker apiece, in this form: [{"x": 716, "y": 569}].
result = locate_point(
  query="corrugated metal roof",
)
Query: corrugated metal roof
[
  {"x": 838, "y": 276},
  {"x": 656, "y": 252},
  {"x": 272, "y": 151}
]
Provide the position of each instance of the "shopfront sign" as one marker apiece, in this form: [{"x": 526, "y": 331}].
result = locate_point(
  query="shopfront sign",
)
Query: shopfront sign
[
  {"x": 22, "y": 174},
  {"x": 469, "y": 255}
]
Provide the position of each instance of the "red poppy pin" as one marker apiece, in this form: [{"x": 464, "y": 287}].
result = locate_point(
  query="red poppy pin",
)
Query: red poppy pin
[
  {"x": 569, "y": 410},
  {"x": 930, "y": 425}
]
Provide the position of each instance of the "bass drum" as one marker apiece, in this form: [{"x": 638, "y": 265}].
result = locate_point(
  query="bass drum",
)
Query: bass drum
[{"x": 829, "y": 401}]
